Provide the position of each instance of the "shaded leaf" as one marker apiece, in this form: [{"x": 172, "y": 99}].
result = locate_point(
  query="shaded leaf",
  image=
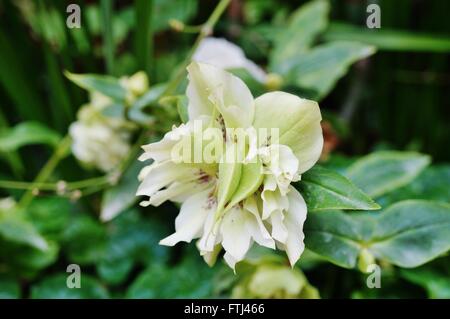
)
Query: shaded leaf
[
  {"x": 55, "y": 287},
  {"x": 386, "y": 39},
  {"x": 27, "y": 133},
  {"x": 384, "y": 171},
  {"x": 325, "y": 189},
  {"x": 104, "y": 84},
  {"x": 121, "y": 196},
  {"x": 304, "y": 25},
  {"x": 320, "y": 68}
]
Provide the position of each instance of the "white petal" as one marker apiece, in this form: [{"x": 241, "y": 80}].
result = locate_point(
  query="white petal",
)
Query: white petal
[
  {"x": 279, "y": 230},
  {"x": 280, "y": 162},
  {"x": 294, "y": 220},
  {"x": 179, "y": 191},
  {"x": 192, "y": 216},
  {"x": 236, "y": 238},
  {"x": 230, "y": 260},
  {"x": 226, "y": 55},
  {"x": 212, "y": 89},
  {"x": 272, "y": 198},
  {"x": 163, "y": 174},
  {"x": 255, "y": 225},
  {"x": 298, "y": 121},
  {"x": 161, "y": 151}
]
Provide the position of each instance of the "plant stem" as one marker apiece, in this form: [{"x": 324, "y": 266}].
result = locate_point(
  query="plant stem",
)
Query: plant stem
[
  {"x": 108, "y": 44},
  {"x": 143, "y": 36},
  {"x": 205, "y": 31},
  {"x": 47, "y": 170}
]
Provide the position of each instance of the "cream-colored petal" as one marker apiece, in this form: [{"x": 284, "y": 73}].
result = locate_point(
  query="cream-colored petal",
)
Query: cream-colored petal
[
  {"x": 298, "y": 121},
  {"x": 213, "y": 91},
  {"x": 295, "y": 217},
  {"x": 255, "y": 224},
  {"x": 236, "y": 239},
  {"x": 163, "y": 174},
  {"x": 226, "y": 55},
  {"x": 190, "y": 221},
  {"x": 279, "y": 230}
]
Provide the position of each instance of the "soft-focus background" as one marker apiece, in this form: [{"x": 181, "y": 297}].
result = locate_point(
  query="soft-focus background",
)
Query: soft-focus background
[{"x": 396, "y": 98}]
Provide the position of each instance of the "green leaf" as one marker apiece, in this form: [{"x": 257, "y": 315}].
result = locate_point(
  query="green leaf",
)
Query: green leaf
[
  {"x": 320, "y": 69},
  {"x": 391, "y": 40},
  {"x": 164, "y": 11},
  {"x": 120, "y": 197},
  {"x": 131, "y": 239},
  {"x": 411, "y": 233},
  {"x": 27, "y": 261},
  {"x": 55, "y": 287},
  {"x": 9, "y": 288},
  {"x": 190, "y": 279},
  {"x": 304, "y": 25},
  {"x": 324, "y": 189},
  {"x": 436, "y": 284},
  {"x": 104, "y": 84},
  {"x": 431, "y": 184},
  {"x": 84, "y": 240},
  {"x": 27, "y": 133},
  {"x": 13, "y": 227},
  {"x": 150, "y": 97},
  {"x": 50, "y": 215},
  {"x": 384, "y": 171},
  {"x": 335, "y": 236},
  {"x": 407, "y": 234}
]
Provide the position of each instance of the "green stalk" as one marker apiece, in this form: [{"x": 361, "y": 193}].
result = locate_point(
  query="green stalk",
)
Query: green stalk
[
  {"x": 108, "y": 44},
  {"x": 59, "y": 153},
  {"x": 143, "y": 34},
  {"x": 205, "y": 31}
]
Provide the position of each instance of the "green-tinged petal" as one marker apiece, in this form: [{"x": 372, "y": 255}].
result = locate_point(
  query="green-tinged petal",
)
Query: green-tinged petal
[
  {"x": 212, "y": 90},
  {"x": 251, "y": 179},
  {"x": 229, "y": 175},
  {"x": 298, "y": 121}
]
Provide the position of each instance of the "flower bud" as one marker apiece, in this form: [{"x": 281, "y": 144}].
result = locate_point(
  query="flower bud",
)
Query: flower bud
[
  {"x": 273, "y": 81},
  {"x": 365, "y": 260}
]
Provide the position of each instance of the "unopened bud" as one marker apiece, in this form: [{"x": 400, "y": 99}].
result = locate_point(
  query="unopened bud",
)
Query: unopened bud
[
  {"x": 177, "y": 25},
  {"x": 365, "y": 259},
  {"x": 273, "y": 81}
]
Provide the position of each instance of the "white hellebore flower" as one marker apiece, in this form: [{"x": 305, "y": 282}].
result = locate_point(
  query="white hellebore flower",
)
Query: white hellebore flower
[
  {"x": 227, "y": 55},
  {"x": 231, "y": 204},
  {"x": 101, "y": 141}
]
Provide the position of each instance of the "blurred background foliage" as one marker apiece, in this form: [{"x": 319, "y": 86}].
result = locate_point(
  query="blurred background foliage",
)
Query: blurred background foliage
[{"x": 395, "y": 99}]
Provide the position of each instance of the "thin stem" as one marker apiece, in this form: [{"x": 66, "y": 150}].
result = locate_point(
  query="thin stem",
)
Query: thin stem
[
  {"x": 47, "y": 170},
  {"x": 144, "y": 35},
  {"x": 205, "y": 31},
  {"x": 108, "y": 44}
]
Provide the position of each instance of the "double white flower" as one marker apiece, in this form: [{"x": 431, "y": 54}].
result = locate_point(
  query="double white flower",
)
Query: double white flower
[
  {"x": 101, "y": 141},
  {"x": 226, "y": 204}
]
